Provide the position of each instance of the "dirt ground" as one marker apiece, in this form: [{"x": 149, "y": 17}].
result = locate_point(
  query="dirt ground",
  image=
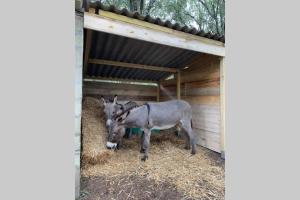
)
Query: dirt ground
[{"x": 171, "y": 172}]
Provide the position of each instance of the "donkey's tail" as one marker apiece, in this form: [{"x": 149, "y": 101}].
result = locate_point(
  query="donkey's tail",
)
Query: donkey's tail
[{"x": 191, "y": 123}]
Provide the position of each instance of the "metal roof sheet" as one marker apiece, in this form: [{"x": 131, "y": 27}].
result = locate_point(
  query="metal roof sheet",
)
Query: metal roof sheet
[{"x": 118, "y": 48}]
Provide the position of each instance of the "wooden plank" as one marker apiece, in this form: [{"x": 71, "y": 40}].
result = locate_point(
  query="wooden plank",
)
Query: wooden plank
[
  {"x": 121, "y": 25},
  {"x": 207, "y": 139},
  {"x": 119, "y": 92},
  {"x": 104, "y": 85},
  {"x": 185, "y": 91},
  {"x": 86, "y": 78},
  {"x": 206, "y": 100},
  {"x": 205, "y": 134},
  {"x": 194, "y": 84},
  {"x": 124, "y": 98},
  {"x": 78, "y": 98},
  {"x": 205, "y": 109},
  {"x": 209, "y": 126},
  {"x": 209, "y": 100},
  {"x": 87, "y": 49},
  {"x": 222, "y": 106},
  {"x": 196, "y": 77},
  {"x": 214, "y": 146},
  {"x": 178, "y": 80},
  {"x": 131, "y": 65},
  {"x": 158, "y": 92}
]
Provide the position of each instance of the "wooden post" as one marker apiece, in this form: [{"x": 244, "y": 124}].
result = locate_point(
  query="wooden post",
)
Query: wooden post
[
  {"x": 78, "y": 97},
  {"x": 222, "y": 106},
  {"x": 158, "y": 92},
  {"x": 178, "y": 80},
  {"x": 87, "y": 50}
]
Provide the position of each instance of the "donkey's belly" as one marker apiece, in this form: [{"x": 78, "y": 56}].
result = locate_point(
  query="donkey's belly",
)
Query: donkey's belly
[{"x": 163, "y": 127}]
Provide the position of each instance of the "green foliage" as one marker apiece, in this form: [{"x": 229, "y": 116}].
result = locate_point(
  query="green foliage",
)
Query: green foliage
[{"x": 206, "y": 15}]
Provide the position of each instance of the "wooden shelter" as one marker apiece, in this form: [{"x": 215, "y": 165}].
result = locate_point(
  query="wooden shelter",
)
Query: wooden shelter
[{"x": 135, "y": 57}]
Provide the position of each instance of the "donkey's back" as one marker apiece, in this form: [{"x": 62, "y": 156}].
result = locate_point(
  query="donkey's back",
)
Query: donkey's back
[{"x": 169, "y": 112}]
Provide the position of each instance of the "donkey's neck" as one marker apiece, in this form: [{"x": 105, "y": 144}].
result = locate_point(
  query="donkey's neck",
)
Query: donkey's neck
[{"x": 136, "y": 117}]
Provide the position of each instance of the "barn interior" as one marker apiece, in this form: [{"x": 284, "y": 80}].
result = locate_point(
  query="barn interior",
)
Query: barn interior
[{"x": 144, "y": 71}]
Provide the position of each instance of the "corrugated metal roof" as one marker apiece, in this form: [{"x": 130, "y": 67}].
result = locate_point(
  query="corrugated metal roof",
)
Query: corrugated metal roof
[
  {"x": 97, "y": 5},
  {"x": 117, "y": 48}
]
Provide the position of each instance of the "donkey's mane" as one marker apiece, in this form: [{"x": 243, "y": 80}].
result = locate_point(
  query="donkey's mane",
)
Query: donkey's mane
[{"x": 127, "y": 111}]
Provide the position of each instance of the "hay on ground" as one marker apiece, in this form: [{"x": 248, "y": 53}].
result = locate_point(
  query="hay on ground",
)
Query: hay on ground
[{"x": 93, "y": 133}]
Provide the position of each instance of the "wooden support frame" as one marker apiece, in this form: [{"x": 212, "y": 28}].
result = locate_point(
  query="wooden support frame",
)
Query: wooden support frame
[
  {"x": 131, "y": 65},
  {"x": 109, "y": 22},
  {"x": 78, "y": 97},
  {"x": 222, "y": 106},
  {"x": 158, "y": 92},
  {"x": 178, "y": 81},
  {"x": 88, "y": 43},
  {"x": 118, "y": 79}
]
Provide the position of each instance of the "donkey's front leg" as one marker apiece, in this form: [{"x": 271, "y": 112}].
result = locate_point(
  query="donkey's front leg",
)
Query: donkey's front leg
[{"x": 146, "y": 143}]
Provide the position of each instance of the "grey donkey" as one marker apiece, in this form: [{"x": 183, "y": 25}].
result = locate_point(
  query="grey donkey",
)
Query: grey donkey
[
  {"x": 111, "y": 109},
  {"x": 161, "y": 115}
]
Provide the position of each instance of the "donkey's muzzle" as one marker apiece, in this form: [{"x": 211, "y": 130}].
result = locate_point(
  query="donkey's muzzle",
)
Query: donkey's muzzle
[{"x": 111, "y": 145}]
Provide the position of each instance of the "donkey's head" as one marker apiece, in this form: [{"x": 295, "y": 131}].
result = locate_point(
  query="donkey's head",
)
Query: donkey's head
[
  {"x": 115, "y": 135},
  {"x": 110, "y": 110}
]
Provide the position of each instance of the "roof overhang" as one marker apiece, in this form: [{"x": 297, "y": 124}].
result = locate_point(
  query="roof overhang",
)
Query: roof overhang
[{"x": 109, "y": 22}]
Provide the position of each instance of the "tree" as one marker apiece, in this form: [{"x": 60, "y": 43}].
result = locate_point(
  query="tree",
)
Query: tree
[
  {"x": 215, "y": 10},
  {"x": 206, "y": 15}
]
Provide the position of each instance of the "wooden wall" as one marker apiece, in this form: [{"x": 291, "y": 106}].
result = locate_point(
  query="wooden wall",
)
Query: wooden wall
[
  {"x": 200, "y": 86},
  {"x": 125, "y": 92}
]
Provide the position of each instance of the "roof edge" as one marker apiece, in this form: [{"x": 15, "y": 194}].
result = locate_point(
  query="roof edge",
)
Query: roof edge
[{"x": 135, "y": 15}]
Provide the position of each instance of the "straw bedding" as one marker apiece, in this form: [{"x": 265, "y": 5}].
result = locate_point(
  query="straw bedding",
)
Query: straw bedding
[
  {"x": 93, "y": 133},
  {"x": 171, "y": 171}
]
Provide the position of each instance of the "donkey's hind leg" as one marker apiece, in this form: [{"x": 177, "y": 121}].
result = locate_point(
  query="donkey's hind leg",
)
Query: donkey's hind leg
[
  {"x": 187, "y": 140},
  {"x": 186, "y": 125},
  {"x": 146, "y": 143},
  {"x": 185, "y": 135}
]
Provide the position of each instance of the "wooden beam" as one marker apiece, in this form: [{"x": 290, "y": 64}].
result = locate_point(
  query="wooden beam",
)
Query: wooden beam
[
  {"x": 86, "y": 78},
  {"x": 222, "y": 106},
  {"x": 131, "y": 65},
  {"x": 121, "y": 25},
  {"x": 158, "y": 92},
  {"x": 87, "y": 49},
  {"x": 178, "y": 80},
  {"x": 78, "y": 99}
]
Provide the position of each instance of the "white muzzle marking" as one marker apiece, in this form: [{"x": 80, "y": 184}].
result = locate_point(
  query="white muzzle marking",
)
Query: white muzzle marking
[
  {"x": 108, "y": 122},
  {"x": 111, "y": 145}
]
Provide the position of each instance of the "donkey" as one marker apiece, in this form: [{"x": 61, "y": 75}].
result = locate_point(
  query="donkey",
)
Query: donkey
[
  {"x": 111, "y": 109},
  {"x": 161, "y": 115}
]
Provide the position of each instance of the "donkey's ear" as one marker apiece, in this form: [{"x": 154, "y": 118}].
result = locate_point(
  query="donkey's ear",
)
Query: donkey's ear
[
  {"x": 115, "y": 99},
  {"x": 103, "y": 100}
]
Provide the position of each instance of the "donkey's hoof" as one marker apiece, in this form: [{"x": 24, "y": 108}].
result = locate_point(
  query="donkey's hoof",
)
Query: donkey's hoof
[
  {"x": 144, "y": 158},
  {"x": 142, "y": 151},
  {"x": 193, "y": 152}
]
